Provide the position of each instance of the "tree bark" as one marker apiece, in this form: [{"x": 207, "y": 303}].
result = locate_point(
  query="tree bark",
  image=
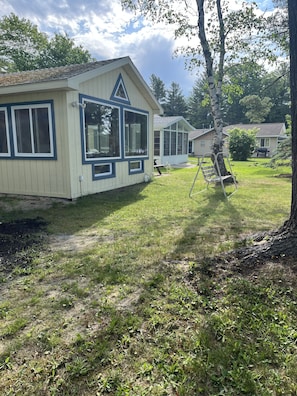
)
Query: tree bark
[
  {"x": 292, "y": 11},
  {"x": 215, "y": 89}
]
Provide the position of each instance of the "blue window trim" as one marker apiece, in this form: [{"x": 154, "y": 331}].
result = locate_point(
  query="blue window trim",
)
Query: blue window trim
[
  {"x": 120, "y": 82},
  {"x": 86, "y": 98},
  {"x": 8, "y": 135},
  {"x": 19, "y": 156},
  {"x": 104, "y": 175},
  {"x": 112, "y": 160},
  {"x": 146, "y": 113},
  {"x": 139, "y": 170}
]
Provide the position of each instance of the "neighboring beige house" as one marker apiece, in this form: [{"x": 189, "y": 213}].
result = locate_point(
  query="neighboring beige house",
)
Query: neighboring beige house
[
  {"x": 268, "y": 136},
  {"x": 171, "y": 139},
  {"x": 75, "y": 130},
  {"x": 201, "y": 142}
]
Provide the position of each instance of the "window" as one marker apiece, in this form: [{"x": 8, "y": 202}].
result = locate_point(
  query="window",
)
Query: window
[
  {"x": 157, "y": 143},
  {"x": 135, "y": 166},
  {"x": 102, "y": 130},
  {"x": 173, "y": 143},
  {"x": 103, "y": 170},
  {"x": 136, "y": 130},
  {"x": 33, "y": 130},
  {"x": 166, "y": 142},
  {"x": 4, "y": 139},
  {"x": 185, "y": 143},
  {"x": 264, "y": 142},
  {"x": 180, "y": 143}
]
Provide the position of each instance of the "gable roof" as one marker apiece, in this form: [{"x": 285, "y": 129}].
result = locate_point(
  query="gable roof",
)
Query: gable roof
[
  {"x": 197, "y": 133},
  {"x": 166, "y": 122},
  {"x": 69, "y": 77},
  {"x": 275, "y": 129}
]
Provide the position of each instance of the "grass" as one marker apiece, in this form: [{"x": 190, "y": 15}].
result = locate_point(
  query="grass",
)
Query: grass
[{"x": 118, "y": 315}]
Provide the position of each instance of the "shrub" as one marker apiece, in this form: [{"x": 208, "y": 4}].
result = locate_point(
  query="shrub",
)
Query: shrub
[{"x": 241, "y": 143}]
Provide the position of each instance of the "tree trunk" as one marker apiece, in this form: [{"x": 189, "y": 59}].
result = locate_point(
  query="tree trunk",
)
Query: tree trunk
[
  {"x": 292, "y": 10},
  {"x": 214, "y": 89}
]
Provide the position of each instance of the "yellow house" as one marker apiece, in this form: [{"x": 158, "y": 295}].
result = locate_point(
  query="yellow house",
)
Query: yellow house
[{"x": 75, "y": 130}]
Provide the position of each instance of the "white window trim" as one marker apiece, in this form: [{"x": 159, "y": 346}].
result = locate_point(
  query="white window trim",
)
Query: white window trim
[
  {"x": 51, "y": 134},
  {"x": 136, "y": 170},
  {"x": 105, "y": 173},
  {"x": 8, "y": 154}
]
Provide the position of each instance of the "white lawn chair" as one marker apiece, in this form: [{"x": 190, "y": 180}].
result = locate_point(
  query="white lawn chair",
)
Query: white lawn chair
[{"x": 209, "y": 167}]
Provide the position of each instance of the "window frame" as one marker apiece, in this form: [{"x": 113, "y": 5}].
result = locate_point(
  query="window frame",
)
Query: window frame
[
  {"x": 140, "y": 169},
  {"x": 112, "y": 105},
  {"x": 8, "y": 153},
  {"x": 30, "y": 107},
  {"x": 105, "y": 175},
  {"x": 144, "y": 113}
]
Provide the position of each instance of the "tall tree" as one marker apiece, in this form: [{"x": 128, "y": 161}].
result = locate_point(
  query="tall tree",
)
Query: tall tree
[
  {"x": 20, "y": 44},
  {"x": 199, "y": 105},
  {"x": 24, "y": 47},
  {"x": 158, "y": 88},
  {"x": 218, "y": 31},
  {"x": 60, "y": 51},
  {"x": 256, "y": 108},
  {"x": 292, "y": 11},
  {"x": 175, "y": 103}
]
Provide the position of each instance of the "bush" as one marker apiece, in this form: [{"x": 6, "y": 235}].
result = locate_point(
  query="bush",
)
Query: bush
[{"x": 241, "y": 143}]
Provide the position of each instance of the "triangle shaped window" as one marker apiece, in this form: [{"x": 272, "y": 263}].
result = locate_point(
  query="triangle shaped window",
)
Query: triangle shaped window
[{"x": 119, "y": 92}]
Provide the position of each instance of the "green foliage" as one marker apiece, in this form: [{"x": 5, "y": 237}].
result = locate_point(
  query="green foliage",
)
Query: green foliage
[
  {"x": 241, "y": 143},
  {"x": 199, "y": 110},
  {"x": 175, "y": 103},
  {"x": 24, "y": 47},
  {"x": 257, "y": 108},
  {"x": 158, "y": 88}
]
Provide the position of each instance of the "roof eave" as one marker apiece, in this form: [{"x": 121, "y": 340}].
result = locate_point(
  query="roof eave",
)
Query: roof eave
[{"x": 35, "y": 87}]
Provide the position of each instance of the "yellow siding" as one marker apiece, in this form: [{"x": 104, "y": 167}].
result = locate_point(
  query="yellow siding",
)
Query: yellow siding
[
  {"x": 41, "y": 176},
  {"x": 61, "y": 177}
]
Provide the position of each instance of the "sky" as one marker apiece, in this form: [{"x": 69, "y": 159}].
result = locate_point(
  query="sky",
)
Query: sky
[{"x": 107, "y": 31}]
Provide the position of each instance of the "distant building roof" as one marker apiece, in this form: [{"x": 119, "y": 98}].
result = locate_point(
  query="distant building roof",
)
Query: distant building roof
[
  {"x": 166, "y": 122},
  {"x": 197, "y": 133},
  {"x": 264, "y": 130}
]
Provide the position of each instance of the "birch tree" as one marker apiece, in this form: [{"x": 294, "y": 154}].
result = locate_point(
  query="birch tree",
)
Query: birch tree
[{"x": 217, "y": 28}]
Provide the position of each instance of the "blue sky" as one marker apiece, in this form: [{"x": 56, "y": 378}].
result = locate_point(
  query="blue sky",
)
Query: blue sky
[{"x": 103, "y": 28}]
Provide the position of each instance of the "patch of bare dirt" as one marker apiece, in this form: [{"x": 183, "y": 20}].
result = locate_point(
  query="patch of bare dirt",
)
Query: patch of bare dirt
[{"x": 19, "y": 241}]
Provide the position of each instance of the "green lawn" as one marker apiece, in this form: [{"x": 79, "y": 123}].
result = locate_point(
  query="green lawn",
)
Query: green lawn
[{"x": 124, "y": 300}]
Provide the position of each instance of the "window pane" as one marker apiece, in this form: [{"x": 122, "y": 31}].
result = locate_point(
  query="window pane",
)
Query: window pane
[
  {"x": 3, "y": 133},
  {"x": 157, "y": 143},
  {"x": 102, "y": 137},
  {"x": 41, "y": 133},
  {"x": 23, "y": 131},
  {"x": 135, "y": 134},
  {"x": 185, "y": 144},
  {"x": 180, "y": 143},
  {"x": 173, "y": 143},
  {"x": 135, "y": 165},
  {"x": 102, "y": 169},
  {"x": 166, "y": 142}
]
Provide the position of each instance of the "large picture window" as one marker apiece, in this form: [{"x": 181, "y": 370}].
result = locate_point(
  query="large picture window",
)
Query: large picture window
[
  {"x": 136, "y": 130},
  {"x": 102, "y": 130},
  {"x": 4, "y": 140},
  {"x": 33, "y": 130}
]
